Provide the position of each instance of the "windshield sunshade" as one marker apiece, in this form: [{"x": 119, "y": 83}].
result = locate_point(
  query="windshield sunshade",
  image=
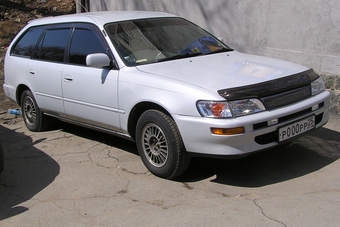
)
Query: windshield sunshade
[{"x": 153, "y": 40}]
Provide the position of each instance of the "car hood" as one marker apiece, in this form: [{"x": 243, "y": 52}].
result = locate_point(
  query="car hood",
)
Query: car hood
[{"x": 223, "y": 70}]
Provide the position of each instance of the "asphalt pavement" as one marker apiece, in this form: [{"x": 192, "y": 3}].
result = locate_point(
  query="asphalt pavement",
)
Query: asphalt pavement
[{"x": 71, "y": 176}]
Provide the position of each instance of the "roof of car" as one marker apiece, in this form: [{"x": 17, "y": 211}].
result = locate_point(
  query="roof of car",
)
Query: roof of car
[{"x": 100, "y": 18}]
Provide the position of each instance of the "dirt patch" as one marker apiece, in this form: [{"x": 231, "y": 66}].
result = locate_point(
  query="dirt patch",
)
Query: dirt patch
[{"x": 14, "y": 15}]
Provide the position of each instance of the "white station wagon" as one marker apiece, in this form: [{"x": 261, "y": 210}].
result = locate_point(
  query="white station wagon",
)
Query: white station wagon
[{"x": 161, "y": 81}]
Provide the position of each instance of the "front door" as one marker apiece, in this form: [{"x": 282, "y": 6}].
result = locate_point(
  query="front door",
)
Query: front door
[{"x": 90, "y": 94}]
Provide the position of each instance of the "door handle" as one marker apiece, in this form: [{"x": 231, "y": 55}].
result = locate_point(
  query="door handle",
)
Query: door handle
[
  {"x": 31, "y": 72},
  {"x": 68, "y": 79}
]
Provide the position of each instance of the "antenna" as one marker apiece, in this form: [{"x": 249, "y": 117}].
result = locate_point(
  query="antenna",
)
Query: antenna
[{"x": 84, "y": 6}]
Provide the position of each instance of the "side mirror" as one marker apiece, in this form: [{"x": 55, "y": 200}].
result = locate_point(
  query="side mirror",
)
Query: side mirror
[{"x": 98, "y": 60}]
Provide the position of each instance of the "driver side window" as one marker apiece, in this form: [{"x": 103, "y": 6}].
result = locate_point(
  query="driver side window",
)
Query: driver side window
[{"x": 84, "y": 42}]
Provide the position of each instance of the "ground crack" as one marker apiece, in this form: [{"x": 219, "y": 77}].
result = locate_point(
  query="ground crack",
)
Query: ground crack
[{"x": 264, "y": 214}]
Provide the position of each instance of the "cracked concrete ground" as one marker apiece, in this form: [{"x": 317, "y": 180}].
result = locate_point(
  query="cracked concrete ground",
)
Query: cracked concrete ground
[{"x": 71, "y": 176}]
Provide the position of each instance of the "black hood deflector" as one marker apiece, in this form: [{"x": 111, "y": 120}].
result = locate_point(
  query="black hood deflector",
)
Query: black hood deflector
[{"x": 271, "y": 87}]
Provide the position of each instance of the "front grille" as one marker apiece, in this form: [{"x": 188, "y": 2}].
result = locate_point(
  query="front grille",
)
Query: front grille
[
  {"x": 286, "y": 98},
  {"x": 289, "y": 117}
]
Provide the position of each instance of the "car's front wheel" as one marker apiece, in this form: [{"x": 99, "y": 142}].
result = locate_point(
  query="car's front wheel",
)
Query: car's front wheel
[
  {"x": 33, "y": 117},
  {"x": 160, "y": 145}
]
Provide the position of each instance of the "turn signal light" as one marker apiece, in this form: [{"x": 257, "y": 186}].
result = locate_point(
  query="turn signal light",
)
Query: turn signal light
[
  {"x": 217, "y": 109},
  {"x": 227, "y": 131}
]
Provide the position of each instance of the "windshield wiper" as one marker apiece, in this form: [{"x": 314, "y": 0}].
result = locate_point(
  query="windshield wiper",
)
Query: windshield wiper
[
  {"x": 219, "y": 51},
  {"x": 188, "y": 55},
  {"x": 179, "y": 56}
]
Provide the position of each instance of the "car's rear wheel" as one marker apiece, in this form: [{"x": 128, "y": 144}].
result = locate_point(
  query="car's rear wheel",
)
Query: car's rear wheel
[
  {"x": 160, "y": 145},
  {"x": 31, "y": 113}
]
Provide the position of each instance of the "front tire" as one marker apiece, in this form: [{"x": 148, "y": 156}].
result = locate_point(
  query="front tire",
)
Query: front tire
[
  {"x": 33, "y": 117},
  {"x": 160, "y": 145}
]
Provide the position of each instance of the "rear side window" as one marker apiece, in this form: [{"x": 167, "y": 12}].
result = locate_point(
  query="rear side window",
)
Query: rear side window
[
  {"x": 84, "y": 42},
  {"x": 52, "y": 46},
  {"x": 27, "y": 42}
]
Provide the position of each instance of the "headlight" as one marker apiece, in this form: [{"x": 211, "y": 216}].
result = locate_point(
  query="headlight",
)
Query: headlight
[
  {"x": 229, "y": 109},
  {"x": 317, "y": 86},
  {"x": 246, "y": 106}
]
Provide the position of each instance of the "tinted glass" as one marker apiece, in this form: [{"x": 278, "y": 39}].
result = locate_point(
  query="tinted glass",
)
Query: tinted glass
[
  {"x": 52, "y": 47},
  {"x": 84, "y": 42},
  {"x": 27, "y": 43}
]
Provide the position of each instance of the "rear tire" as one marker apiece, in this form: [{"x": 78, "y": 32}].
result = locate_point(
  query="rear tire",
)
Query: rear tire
[
  {"x": 34, "y": 119},
  {"x": 160, "y": 145}
]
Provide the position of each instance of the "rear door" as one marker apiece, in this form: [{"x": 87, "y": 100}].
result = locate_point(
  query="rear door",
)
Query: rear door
[
  {"x": 90, "y": 94},
  {"x": 45, "y": 69}
]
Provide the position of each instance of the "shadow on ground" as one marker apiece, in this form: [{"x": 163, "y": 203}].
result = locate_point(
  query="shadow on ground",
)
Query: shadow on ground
[
  {"x": 105, "y": 138},
  {"x": 27, "y": 171},
  {"x": 303, "y": 156}
]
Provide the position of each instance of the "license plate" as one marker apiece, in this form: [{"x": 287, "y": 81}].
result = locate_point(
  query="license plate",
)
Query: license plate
[{"x": 297, "y": 128}]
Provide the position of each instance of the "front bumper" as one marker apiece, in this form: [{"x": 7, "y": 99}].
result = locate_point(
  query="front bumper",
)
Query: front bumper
[{"x": 197, "y": 136}]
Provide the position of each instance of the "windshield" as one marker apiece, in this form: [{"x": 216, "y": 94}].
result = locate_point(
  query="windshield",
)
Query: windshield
[{"x": 153, "y": 40}]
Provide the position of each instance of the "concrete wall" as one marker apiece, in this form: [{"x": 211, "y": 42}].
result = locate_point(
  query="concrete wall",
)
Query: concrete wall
[{"x": 305, "y": 32}]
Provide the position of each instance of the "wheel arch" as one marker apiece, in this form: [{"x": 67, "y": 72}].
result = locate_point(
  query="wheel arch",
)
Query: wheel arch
[
  {"x": 20, "y": 89},
  {"x": 137, "y": 111}
]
